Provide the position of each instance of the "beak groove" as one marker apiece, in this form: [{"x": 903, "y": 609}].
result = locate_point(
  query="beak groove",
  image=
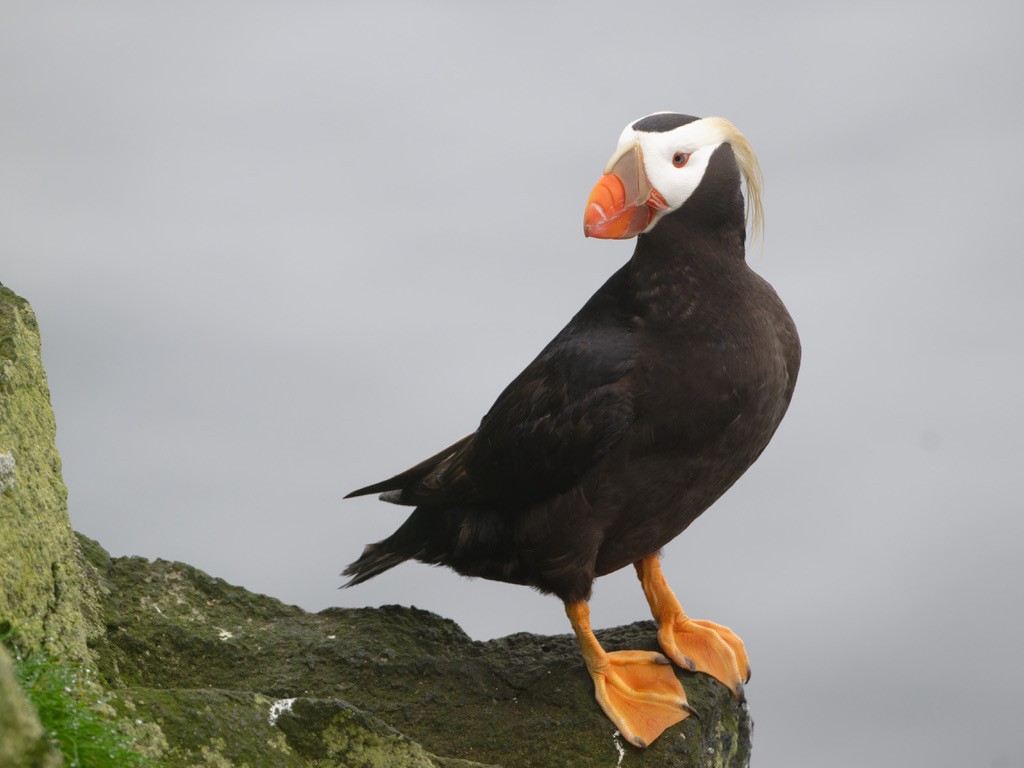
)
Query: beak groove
[{"x": 623, "y": 203}]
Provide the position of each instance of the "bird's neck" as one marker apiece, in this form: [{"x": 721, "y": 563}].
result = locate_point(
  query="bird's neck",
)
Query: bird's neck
[{"x": 684, "y": 257}]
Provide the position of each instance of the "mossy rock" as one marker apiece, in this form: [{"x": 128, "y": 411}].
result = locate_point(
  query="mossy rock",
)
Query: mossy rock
[
  {"x": 225, "y": 729},
  {"x": 523, "y": 701},
  {"x": 44, "y": 590}
]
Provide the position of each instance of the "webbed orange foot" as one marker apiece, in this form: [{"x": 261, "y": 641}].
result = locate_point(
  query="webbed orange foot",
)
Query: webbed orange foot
[
  {"x": 703, "y": 646},
  {"x": 640, "y": 694},
  {"x": 638, "y": 690},
  {"x": 700, "y": 646}
]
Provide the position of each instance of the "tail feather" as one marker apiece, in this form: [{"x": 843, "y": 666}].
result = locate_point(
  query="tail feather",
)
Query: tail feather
[
  {"x": 410, "y": 476},
  {"x": 376, "y": 559}
]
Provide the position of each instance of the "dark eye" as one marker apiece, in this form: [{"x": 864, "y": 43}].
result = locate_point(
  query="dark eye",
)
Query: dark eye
[{"x": 679, "y": 159}]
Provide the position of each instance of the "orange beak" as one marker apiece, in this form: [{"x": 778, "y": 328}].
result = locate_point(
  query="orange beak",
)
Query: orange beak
[{"x": 623, "y": 203}]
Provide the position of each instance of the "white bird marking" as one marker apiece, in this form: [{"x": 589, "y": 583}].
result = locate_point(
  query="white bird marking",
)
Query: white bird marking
[
  {"x": 619, "y": 748},
  {"x": 278, "y": 707}
]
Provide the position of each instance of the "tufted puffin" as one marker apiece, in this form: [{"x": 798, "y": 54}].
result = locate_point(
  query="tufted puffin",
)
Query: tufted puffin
[{"x": 654, "y": 399}]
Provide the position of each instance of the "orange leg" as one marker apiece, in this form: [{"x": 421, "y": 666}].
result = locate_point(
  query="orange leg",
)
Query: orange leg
[
  {"x": 700, "y": 646},
  {"x": 638, "y": 690}
]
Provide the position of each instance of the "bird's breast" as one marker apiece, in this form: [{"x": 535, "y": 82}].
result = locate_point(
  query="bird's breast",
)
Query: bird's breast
[{"x": 691, "y": 387}]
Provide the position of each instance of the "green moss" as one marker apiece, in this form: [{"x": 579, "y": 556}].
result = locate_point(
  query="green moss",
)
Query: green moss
[
  {"x": 332, "y": 732},
  {"x": 210, "y": 728},
  {"x": 23, "y": 742},
  {"x": 523, "y": 701},
  {"x": 43, "y": 587},
  {"x": 74, "y": 715},
  {"x": 233, "y": 729}
]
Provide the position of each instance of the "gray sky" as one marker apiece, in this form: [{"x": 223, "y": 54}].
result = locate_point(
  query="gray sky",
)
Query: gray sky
[{"x": 279, "y": 251}]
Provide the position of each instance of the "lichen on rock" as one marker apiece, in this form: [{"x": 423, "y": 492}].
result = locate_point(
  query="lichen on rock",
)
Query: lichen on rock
[
  {"x": 7, "y": 464},
  {"x": 43, "y": 586}
]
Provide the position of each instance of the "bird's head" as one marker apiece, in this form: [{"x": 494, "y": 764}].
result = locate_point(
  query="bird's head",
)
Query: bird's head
[{"x": 660, "y": 162}]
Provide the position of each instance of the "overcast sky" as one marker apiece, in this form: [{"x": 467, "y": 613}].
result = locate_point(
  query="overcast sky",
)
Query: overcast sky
[{"x": 280, "y": 251}]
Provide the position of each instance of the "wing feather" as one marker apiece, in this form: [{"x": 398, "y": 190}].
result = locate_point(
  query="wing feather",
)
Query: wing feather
[{"x": 547, "y": 428}]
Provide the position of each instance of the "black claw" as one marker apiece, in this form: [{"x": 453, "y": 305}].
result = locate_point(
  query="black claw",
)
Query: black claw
[
  {"x": 638, "y": 742},
  {"x": 748, "y": 674},
  {"x": 691, "y": 710},
  {"x": 661, "y": 659},
  {"x": 690, "y": 663},
  {"x": 740, "y": 693}
]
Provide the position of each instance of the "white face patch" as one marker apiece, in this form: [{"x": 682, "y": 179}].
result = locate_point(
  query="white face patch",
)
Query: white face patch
[{"x": 699, "y": 139}]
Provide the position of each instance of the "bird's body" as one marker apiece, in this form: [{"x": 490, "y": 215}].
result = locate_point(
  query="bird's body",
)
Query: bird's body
[{"x": 654, "y": 399}]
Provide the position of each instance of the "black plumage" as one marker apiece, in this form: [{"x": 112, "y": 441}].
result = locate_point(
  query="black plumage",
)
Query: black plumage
[{"x": 652, "y": 401}]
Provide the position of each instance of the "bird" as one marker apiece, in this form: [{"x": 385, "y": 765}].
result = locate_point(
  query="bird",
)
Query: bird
[{"x": 639, "y": 414}]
